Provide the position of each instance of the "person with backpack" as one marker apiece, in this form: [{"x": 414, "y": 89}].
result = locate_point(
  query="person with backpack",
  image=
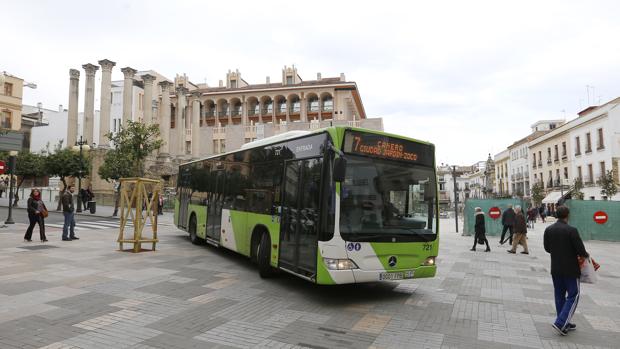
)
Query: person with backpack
[
  {"x": 480, "y": 236},
  {"x": 508, "y": 221}
]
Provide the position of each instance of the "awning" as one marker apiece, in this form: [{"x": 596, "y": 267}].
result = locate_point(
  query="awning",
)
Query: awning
[{"x": 552, "y": 198}]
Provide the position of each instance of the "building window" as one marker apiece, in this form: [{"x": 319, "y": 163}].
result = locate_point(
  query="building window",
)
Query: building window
[
  {"x": 601, "y": 143},
  {"x": 534, "y": 160},
  {"x": 588, "y": 143},
  {"x": 6, "y": 119},
  {"x": 590, "y": 174},
  {"x": 577, "y": 146},
  {"x": 565, "y": 172},
  {"x": 556, "y": 157},
  {"x": 563, "y": 150},
  {"x": 549, "y": 155},
  {"x": 233, "y": 83},
  {"x": 539, "y": 158},
  {"x": 602, "y": 164},
  {"x": 289, "y": 80},
  {"x": 8, "y": 89},
  {"x": 579, "y": 173}
]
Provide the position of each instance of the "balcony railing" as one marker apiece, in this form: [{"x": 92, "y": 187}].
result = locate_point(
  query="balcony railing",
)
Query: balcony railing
[
  {"x": 313, "y": 108},
  {"x": 294, "y": 109},
  {"x": 236, "y": 112},
  {"x": 556, "y": 159},
  {"x": 188, "y": 134},
  {"x": 266, "y": 111},
  {"x": 539, "y": 163},
  {"x": 354, "y": 123},
  {"x": 210, "y": 113},
  {"x": 534, "y": 164},
  {"x": 328, "y": 108},
  {"x": 222, "y": 113},
  {"x": 254, "y": 112},
  {"x": 549, "y": 161}
]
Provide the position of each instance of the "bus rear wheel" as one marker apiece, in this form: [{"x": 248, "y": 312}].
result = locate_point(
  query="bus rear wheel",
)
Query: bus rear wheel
[
  {"x": 193, "y": 237},
  {"x": 263, "y": 255}
]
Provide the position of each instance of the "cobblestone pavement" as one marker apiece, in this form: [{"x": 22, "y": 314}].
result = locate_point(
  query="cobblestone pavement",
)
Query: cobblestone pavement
[{"x": 85, "y": 294}]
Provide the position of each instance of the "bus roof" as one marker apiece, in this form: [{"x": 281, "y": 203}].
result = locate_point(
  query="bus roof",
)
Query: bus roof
[{"x": 298, "y": 134}]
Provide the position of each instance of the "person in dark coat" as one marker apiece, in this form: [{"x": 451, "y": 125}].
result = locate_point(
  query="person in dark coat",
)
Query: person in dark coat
[
  {"x": 480, "y": 230},
  {"x": 564, "y": 244},
  {"x": 520, "y": 236},
  {"x": 35, "y": 215},
  {"x": 508, "y": 221}
]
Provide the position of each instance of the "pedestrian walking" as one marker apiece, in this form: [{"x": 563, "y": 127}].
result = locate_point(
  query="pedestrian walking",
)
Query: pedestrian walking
[
  {"x": 2, "y": 187},
  {"x": 36, "y": 215},
  {"x": 508, "y": 221},
  {"x": 89, "y": 196},
  {"x": 160, "y": 205},
  {"x": 479, "y": 228},
  {"x": 520, "y": 232},
  {"x": 68, "y": 210},
  {"x": 541, "y": 211},
  {"x": 564, "y": 244},
  {"x": 531, "y": 216}
]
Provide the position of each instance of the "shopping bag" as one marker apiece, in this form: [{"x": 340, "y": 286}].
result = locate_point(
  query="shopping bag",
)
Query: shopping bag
[{"x": 588, "y": 274}]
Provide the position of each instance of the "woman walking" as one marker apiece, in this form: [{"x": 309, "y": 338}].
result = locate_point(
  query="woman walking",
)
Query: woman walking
[
  {"x": 480, "y": 231},
  {"x": 36, "y": 214}
]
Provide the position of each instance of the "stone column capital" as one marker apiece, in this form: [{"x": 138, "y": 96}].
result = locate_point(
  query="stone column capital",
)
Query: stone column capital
[
  {"x": 148, "y": 79},
  {"x": 165, "y": 85},
  {"x": 197, "y": 94},
  {"x": 129, "y": 72},
  {"x": 106, "y": 64},
  {"x": 90, "y": 69},
  {"x": 74, "y": 74},
  {"x": 181, "y": 90}
]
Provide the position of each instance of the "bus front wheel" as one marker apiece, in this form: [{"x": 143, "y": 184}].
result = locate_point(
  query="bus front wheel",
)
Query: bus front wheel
[{"x": 263, "y": 254}]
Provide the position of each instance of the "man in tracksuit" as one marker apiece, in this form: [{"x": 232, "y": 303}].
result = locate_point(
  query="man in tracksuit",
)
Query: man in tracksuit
[{"x": 564, "y": 244}]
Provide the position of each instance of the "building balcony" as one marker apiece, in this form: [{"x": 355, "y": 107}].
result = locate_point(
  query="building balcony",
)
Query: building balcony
[
  {"x": 266, "y": 111},
  {"x": 236, "y": 113},
  {"x": 354, "y": 123},
  {"x": 294, "y": 109},
  {"x": 209, "y": 114},
  {"x": 556, "y": 160},
  {"x": 250, "y": 131},
  {"x": 254, "y": 112},
  {"x": 222, "y": 113},
  {"x": 219, "y": 133},
  {"x": 549, "y": 161}
]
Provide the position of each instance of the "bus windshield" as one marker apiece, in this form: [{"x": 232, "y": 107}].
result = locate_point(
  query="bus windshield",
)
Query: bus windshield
[{"x": 387, "y": 201}]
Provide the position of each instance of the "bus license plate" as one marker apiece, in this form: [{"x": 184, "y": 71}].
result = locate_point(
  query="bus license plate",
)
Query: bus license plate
[{"x": 396, "y": 276}]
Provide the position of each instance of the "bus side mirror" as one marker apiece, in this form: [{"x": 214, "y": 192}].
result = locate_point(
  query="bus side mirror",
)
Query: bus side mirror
[{"x": 340, "y": 169}]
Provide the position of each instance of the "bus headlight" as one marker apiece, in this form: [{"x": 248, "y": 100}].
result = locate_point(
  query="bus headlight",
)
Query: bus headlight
[
  {"x": 339, "y": 264},
  {"x": 430, "y": 261}
]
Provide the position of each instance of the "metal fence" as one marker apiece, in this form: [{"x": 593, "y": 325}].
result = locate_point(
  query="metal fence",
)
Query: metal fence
[
  {"x": 582, "y": 217},
  {"x": 493, "y": 226}
]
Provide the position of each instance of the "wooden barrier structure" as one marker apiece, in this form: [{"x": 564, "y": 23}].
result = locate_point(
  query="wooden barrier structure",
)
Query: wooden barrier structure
[{"x": 134, "y": 194}]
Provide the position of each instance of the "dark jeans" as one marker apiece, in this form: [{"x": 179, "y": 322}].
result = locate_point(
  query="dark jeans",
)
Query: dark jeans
[
  {"x": 34, "y": 220},
  {"x": 68, "y": 229},
  {"x": 506, "y": 228},
  {"x": 566, "y": 298}
]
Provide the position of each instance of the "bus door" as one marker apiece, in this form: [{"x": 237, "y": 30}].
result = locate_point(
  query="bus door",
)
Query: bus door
[
  {"x": 184, "y": 197},
  {"x": 300, "y": 216},
  {"x": 214, "y": 209}
]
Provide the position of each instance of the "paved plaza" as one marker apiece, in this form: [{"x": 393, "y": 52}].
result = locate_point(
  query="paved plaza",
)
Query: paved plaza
[{"x": 86, "y": 294}]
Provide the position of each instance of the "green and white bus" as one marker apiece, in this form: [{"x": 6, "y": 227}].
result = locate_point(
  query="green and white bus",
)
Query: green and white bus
[{"x": 334, "y": 206}]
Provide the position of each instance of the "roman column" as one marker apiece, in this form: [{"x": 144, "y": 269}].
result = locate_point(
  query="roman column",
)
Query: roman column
[
  {"x": 164, "y": 121},
  {"x": 128, "y": 94},
  {"x": 148, "y": 98},
  {"x": 180, "y": 119},
  {"x": 89, "y": 102},
  {"x": 196, "y": 125},
  {"x": 74, "y": 92},
  {"x": 106, "y": 101}
]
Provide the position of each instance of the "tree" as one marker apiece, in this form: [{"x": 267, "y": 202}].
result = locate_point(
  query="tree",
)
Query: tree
[
  {"x": 576, "y": 188},
  {"x": 116, "y": 165},
  {"x": 538, "y": 193},
  {"x": 28, "y": 165},
  {"x": 608, "y": 184},
  {"x": 135, "y": 142},
  {"x": 66, "y": 163}
]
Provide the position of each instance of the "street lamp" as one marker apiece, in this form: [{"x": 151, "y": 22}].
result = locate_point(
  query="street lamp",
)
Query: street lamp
[
  {"x": 456, "y": 199},
  {"x": 81, "y": 145}
]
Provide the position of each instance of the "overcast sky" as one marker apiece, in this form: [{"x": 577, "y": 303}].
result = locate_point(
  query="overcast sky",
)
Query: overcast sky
[{"x": 469, "y": 76}]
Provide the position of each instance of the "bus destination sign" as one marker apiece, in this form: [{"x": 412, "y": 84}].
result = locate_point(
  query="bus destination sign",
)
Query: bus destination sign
[{"x": 385, "y": 147}]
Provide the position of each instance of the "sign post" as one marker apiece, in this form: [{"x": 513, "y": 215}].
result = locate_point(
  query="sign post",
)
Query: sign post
[{"x": 9, "y": 219}]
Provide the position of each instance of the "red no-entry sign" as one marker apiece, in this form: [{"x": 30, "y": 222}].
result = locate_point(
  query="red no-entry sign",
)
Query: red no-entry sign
[
  {"x": 495, "y": 212},
  {"x": 2, "y": 167},
  {"x": 600, "y": 217}
]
